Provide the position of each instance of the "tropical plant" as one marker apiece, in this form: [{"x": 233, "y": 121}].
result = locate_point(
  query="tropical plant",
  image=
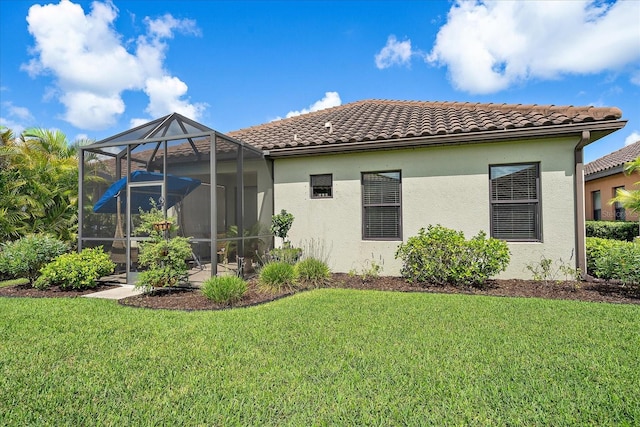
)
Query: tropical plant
[
  {"x": 39, "y": 175},
  {"x": 164, "y": 257}
]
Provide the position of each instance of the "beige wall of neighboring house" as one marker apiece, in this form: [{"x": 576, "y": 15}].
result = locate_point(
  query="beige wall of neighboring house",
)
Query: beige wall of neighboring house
[
  {"x": 446, "y": 185},
  {"x": 606, "y": 186}
]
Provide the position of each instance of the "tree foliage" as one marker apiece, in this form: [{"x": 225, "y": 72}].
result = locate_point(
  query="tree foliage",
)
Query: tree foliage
[{"x": 38, "y": 184}]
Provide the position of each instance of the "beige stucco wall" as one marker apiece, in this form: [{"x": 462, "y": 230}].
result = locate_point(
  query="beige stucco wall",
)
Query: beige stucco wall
[{"x": 448, "y": 186}]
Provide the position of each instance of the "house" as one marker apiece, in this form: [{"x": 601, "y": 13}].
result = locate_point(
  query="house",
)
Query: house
[
  {"x": 603, "y": 177},
  {"x": 363, "y": 177}
]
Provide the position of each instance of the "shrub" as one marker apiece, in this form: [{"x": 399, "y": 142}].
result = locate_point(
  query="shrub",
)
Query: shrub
[
  {"x": 224, "y": 289},
  {"x": 549, "y": 271},
  {"x": 163, "y": 257},
  {"x": 277, "y": 275},
  {"x": 312, "y": 271},
  {"x": 26, "y": 256},
  {"x": 597, "y": 248},
  {"x": 76, "y": 270},
  {"x": 619, "y": 261},
  {"x": 616, "y": 230},
  {"x": 289, "y": 255},
  {"x": 440, "y": 255}
]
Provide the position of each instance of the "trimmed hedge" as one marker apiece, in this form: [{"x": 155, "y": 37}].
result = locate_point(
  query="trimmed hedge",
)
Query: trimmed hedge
[
  {"x": 613, "y": 259},
  {"x": 616, "y": 230}
]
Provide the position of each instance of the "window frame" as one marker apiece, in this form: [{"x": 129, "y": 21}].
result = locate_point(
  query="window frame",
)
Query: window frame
[
  {"x": 619, "y": 212},
  {"x": 596, "y": 210},
  {"x": 365, "y": 206},
  {"x": 311, "y": 186},
  {"x": 537, "y": 201}
]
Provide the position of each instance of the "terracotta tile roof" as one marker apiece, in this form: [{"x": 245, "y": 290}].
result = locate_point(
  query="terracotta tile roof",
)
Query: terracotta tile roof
[
  {"x": 612, "y": 160},
  {"x": 376, "y": 120}
]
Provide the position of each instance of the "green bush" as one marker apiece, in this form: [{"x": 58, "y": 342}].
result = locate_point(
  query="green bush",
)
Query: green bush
[
  {"x": 613, "y": 259},
  {"x": 25, "y": 257},
  {"x": 289, "y": 255},
  {"x": 164, "y": 257},
  {"x": 616, "y": 230},
  {"x": 312, "y": 271},
  {"x": 597, "y": 248},
  {"x": 277, "y": 275},
  {"x": 76, "y": 270},
  {"x": 440, "y": 255},
  {"x": 224, "y": 289}
]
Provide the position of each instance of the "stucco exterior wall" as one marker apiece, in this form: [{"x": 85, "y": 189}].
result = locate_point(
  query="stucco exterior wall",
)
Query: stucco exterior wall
[
  {"x": 606, "y": 186},
  {"x": 444, "y": 185}
]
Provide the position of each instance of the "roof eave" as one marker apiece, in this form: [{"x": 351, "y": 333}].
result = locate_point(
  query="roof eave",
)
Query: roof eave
[
  {"x": 604, "y": 173},
  {"x": 598, "y": 130}
]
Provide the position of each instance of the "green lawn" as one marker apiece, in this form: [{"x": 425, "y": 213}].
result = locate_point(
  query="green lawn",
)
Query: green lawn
[
  {"x": 13, "y": 282},
  {"x": 325, "y": 357}
]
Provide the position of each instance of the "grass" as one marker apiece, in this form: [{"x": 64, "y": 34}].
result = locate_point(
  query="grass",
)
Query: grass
[
  {"x": 13, "y": 282},
  {"x": 324, "y": 357}
]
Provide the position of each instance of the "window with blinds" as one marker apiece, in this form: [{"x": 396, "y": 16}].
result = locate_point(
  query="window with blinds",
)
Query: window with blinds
[
  {"x": 322, "y": 186},
  {"x": 381, "y": 206},
  {"x": 515, "y": 202}
]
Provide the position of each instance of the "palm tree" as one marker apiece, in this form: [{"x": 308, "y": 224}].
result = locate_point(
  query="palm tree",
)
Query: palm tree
[{"x": 40, "y": 184}]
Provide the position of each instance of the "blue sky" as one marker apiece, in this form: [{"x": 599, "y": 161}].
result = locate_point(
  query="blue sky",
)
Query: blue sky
[{"x": 94, "y": 69}]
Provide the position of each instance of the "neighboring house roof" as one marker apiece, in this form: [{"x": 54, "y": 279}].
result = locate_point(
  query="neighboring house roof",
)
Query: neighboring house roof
[
  {"x": 368, "y": 124},
  {"x": 612, "y": 163}
]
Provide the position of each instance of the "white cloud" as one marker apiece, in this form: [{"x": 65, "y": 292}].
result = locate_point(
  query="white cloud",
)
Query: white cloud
[
  {"x": 331, "y": 99},
  {"x": 16, "y": 118},
  {"x": 634, "y": 137},
  {"x": 92, "y": 66},
  {"x": 21, "y": 113},
  {"x": 165, "y": 95},
  {"x": 394, "y": 53},
  {"x": 490, "y": 45}
]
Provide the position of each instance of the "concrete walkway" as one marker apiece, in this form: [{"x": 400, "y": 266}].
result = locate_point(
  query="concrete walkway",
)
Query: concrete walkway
[{"x": 123, "y": 291}]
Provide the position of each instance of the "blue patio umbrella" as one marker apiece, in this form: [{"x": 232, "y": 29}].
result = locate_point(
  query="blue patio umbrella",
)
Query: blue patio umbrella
[{"x": 177, "y": 188}]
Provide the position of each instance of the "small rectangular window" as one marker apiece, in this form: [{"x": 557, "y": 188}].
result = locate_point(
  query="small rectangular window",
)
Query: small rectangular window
[
  {"x": 597, "y": 205},
  {"x": 322, "y": 186},
  {"x": 381, "y": 206},
  {"x": 619, "y": 209},
  {"x": 515, "y": 202}
]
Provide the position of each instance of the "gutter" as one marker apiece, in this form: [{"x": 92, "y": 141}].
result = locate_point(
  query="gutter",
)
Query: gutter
[{"x": 578, "y": 179}]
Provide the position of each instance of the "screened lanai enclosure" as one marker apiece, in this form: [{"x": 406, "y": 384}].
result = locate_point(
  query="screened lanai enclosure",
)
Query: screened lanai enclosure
[{"x": 217, "y": 190}]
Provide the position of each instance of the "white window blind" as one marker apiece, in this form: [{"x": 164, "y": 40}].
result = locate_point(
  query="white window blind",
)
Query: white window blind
[
  {"x": 515, "y": 202},
  {"x": 381, "y": 204}
]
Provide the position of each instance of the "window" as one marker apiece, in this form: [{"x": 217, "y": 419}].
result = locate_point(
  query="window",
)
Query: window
[
  {"x": 381, "y": 206},
  {"x": 597, "y": 205},
  {"x": 322, "y": 186},
  {"x": 619, "y": 209},
  {"x": 515, "y": 202}
]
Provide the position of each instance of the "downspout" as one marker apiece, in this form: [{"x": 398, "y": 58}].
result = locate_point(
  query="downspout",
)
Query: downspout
[{"x": 578, "y": 179}]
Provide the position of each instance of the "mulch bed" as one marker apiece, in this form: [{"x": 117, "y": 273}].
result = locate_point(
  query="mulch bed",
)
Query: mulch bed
[
  {"x": 53, "y": 292},
  {"x": 192, "y": 299}
]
